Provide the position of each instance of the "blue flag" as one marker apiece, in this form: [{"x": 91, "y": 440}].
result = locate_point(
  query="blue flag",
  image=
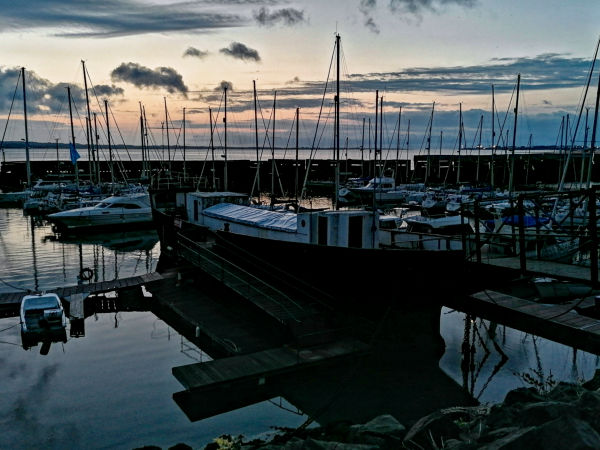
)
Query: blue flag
[{"x": 74, "y": 154}]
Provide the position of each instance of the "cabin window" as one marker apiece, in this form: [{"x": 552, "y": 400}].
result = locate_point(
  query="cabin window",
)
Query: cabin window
[
  {"x": 195, "y": 210},
  {"x": 131, "y": 206},
  {"x": 322, "y": 233},
  {"x": 355, "y": 227}
]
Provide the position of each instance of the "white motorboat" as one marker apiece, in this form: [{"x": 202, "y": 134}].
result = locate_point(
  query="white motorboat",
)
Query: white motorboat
[{"x": 116, "y": 210}]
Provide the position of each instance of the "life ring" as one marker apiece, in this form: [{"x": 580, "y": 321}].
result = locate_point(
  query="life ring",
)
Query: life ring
[{"x": 86, "y": 274}]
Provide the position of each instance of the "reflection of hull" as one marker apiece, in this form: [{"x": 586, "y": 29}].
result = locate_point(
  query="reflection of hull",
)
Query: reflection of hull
[
  {"x": 123, "y": 240},
  {"x": 88, "y": 220}
]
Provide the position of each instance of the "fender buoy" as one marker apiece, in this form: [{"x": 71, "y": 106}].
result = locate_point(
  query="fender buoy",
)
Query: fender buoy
[{"x": 86, "y": 274}]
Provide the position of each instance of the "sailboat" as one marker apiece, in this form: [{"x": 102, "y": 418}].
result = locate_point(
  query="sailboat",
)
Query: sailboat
[{"x": 309, "y": 244}]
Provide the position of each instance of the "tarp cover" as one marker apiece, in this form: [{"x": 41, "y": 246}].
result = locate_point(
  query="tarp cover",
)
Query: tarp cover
[{"x": 249, "y": 215}]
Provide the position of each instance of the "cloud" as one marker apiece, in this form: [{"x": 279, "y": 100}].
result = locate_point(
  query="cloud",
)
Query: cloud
[
  {"x": 240, "y": 51},
  {"x": 294, "y": 80},
  {"x": 44, "y": 95},
  {"x": 106, "y": 90},
  {"x": 547, "y": 102},
  {"x": 144, "y": 77},
  {"x": 284, "y": 16},
  {"x": 545, "y": 71},
  {"x": 194, "y": 52},
  {"x": 111, "y": 18},
  {"x": 224, "y": 84},
  {"x": 418, "y": 6},
  {"x": 365, "y": 8}
]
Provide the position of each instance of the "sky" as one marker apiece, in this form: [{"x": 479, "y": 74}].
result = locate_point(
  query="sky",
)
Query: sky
[{"x": 420, "y": 55}]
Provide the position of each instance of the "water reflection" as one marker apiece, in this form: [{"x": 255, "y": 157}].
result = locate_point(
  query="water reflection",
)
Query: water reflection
[{"x": 37, "y": 259}]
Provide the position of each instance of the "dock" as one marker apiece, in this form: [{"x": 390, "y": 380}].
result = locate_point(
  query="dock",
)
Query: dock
[
  {"x": 252, "y": 376},
  {"x": 559, "y": 323},
  {"x": 552, "y": 269},
  {"x": 12, "y": 299}
]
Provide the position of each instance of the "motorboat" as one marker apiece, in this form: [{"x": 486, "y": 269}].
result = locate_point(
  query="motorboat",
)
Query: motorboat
[
  {"x": 42, "y": 318},
  {"x": 131, "y": 209}
]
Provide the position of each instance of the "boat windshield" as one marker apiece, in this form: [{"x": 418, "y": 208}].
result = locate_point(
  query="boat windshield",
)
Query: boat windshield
[
  {"x": 103, "y": 205},
  {"x": 42, "y": 302}
]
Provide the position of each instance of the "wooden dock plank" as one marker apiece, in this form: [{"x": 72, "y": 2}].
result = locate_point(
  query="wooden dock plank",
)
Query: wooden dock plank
[
  {"x": 12, "y": 298},
  {"x": 554, "y": 322},
  {"x": 552, "y": 269},
  {"x": 262, "y": 364}
]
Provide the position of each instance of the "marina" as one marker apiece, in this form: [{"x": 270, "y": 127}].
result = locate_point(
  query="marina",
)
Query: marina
[{"x": 235, "y": 247}]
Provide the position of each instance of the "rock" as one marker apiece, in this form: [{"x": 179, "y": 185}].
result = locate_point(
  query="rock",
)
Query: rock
[
  {"x": 588, "y": 407},
  {"x": 496, "y": 434},
  {"x": 564, "y": 432},
  {"x": 535, "y": 414},
  {"x": 382, "y": 425},
  {"x": 313, "y": 444},
  {"x": 181, "y": 446},
  {"x": 522, "y": 395},
  {"x": 565, "y": 392},
  {"x": 594, "y": 383},
  {"x": 439, "y": 426}
]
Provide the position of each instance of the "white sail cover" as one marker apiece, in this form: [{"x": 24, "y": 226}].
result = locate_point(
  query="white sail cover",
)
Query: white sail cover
[{"x": 254, "y": 216}]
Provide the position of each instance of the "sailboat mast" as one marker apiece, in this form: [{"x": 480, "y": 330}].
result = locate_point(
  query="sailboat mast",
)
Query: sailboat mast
[
  {"x": 212, "y": 150},
  {"x": 381, "y": 136},
  {"x": 28, "y": 165},
  {"x": 142, "y": 142},
  {"x": 273, "y": 154},
  {"x": 407, "y": 145},
  {"x": 225, "y": 184},
  {"x": 184, "y": 144},
  {"x": 398, "y": 144},
  {"x": 96, "y": 136},
  {"x": 479, "y": 148},
  {"x": 72, "y": 133},
  {"x": 88, "y": 124},
  {"x": 493, "y": 139},
  {"x": 167, "y": 132},
  {"x": 429, "y": 144},
  {"x": 256, "y": 140},
  {"x": 337, "y": 122},
  {"x": 297, "y": 147},
  {"x": 362, "y": 149},
  {"x": 512, "y": 162},
  {"x": 460, "y": 136},
  {"x": 593, "y": 142},
  {"x": 376, "y": 134},
  {"x": 110, "y": 154}
]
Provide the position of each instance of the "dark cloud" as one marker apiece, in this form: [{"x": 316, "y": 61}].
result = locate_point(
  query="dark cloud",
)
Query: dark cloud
[
  {"x": 144, "y": 77},
  {"x": 284, "y": 16},
  {"x": 365, "y": 8},
  {"x": 418, "y": 6},
  {"x": 294, "y": 80},
  {"x": 224, "y": 84},
  {"x": 240, "y": 51},
  {"x": 110, "y": 18},
  {"x": 194, "y": 52},
  {"x": 44, "y": 95},
  {"x": 546, "y": 71},
  {"x": 105, "y": 90}
]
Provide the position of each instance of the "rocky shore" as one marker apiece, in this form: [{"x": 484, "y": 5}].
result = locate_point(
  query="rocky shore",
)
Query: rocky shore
[{"x": 564, "y": 417}]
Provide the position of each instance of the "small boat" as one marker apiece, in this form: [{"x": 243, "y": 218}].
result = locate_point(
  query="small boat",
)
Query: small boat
[
  {"x": 42, "y": 318},
  {"x": 132, "y": 209}
]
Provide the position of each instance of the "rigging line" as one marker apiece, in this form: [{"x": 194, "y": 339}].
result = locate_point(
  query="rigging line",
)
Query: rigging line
[
  {"x": 10, "y": 110},
  {"x": 303, "y": 191}
]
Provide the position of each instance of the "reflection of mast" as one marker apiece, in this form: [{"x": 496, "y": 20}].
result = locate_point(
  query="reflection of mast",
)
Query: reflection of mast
[{"x": 36, "y": 283}]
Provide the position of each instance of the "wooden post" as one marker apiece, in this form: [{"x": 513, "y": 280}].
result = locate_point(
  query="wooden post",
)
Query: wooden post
[
  {"x": 593, "y": 238},
  {"x": 522, "y": 255}
]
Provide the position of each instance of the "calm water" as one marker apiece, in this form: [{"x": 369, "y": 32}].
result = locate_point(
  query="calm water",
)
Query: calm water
[{"x": 112, "y": 387}]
